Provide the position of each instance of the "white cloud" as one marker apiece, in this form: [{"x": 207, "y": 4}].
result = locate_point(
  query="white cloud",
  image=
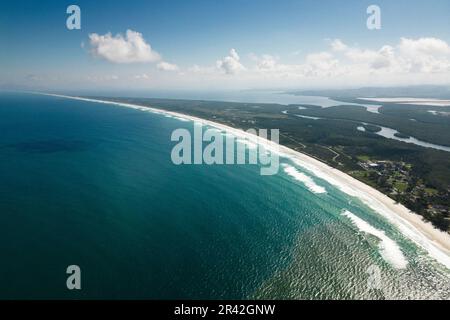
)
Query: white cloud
[
  {"x": 119, "y": 49},
  {"x": 102, "y": 78},
  {"x": 423, "y": 55},
  {"x": 266, "y": 62},
  {"x": 321, "y": 64},
  {"x": 165, "y": 66},
  {"x": 231, "y": 64},
  {"x": 369, "y": 59},
  {"x": 431, "y": 46},
  {"x": 142, "y": 76},
  {"x": 408, "y": 61},
  {"x": 338, "y": 45}
]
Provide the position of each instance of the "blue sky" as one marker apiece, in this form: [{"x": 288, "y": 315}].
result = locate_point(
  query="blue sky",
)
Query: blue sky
[{"x": 275, "y": 43}]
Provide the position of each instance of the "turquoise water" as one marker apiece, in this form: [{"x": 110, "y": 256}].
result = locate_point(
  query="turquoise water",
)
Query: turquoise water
[{"x": 93, "y": 185}]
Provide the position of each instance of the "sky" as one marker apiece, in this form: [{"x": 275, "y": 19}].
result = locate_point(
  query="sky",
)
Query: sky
[{"x": 216, "y": 45}]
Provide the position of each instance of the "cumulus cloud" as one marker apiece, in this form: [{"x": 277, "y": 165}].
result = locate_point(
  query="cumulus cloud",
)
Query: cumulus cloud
[
  {"x": 130, "y": 48},
  {"x": 409, "y": 61},
  {"x": 266, "y": 62},
  {"x": 231, "y": 64},
  {"x": 423, "y": 55},
  {"x": 369, "y": 59},
  {"x": 431, "y": 46},
  {"x": 166, "y": 66},
  {"x": 321, "y": 64},
  {"x": 338, "y": 45}
]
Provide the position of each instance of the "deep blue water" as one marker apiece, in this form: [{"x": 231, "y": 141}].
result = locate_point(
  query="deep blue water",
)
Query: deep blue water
[{"x": 93, "y": 185}]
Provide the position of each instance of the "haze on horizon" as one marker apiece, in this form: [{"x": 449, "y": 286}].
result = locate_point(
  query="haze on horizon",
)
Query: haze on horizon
[{"x": 204, "y": 45}]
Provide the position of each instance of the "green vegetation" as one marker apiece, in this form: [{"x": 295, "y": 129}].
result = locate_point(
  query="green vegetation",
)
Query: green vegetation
[
  {"x": 400, "y": 186},
  {"x": 400, "y": 135},
  {"x": 426, "y": 126},
  {"x": 371, "y": 128},
  {"x": 363, "y": 158}
]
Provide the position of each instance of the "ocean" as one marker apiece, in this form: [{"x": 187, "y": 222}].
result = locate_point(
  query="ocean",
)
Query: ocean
[{"x": 93, "y": 185}]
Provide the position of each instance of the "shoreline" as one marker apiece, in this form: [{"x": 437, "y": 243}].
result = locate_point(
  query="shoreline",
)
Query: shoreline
[{"x": 435, "y": 242}]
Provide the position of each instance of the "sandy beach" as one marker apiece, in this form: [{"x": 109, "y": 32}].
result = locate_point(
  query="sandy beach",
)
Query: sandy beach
[{"x": 435, "y": 242}]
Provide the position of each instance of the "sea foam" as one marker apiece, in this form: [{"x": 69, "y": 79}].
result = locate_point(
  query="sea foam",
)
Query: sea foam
[
  {"x": 306, "y": 180},
  {"x": 389, "y": 249}
]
